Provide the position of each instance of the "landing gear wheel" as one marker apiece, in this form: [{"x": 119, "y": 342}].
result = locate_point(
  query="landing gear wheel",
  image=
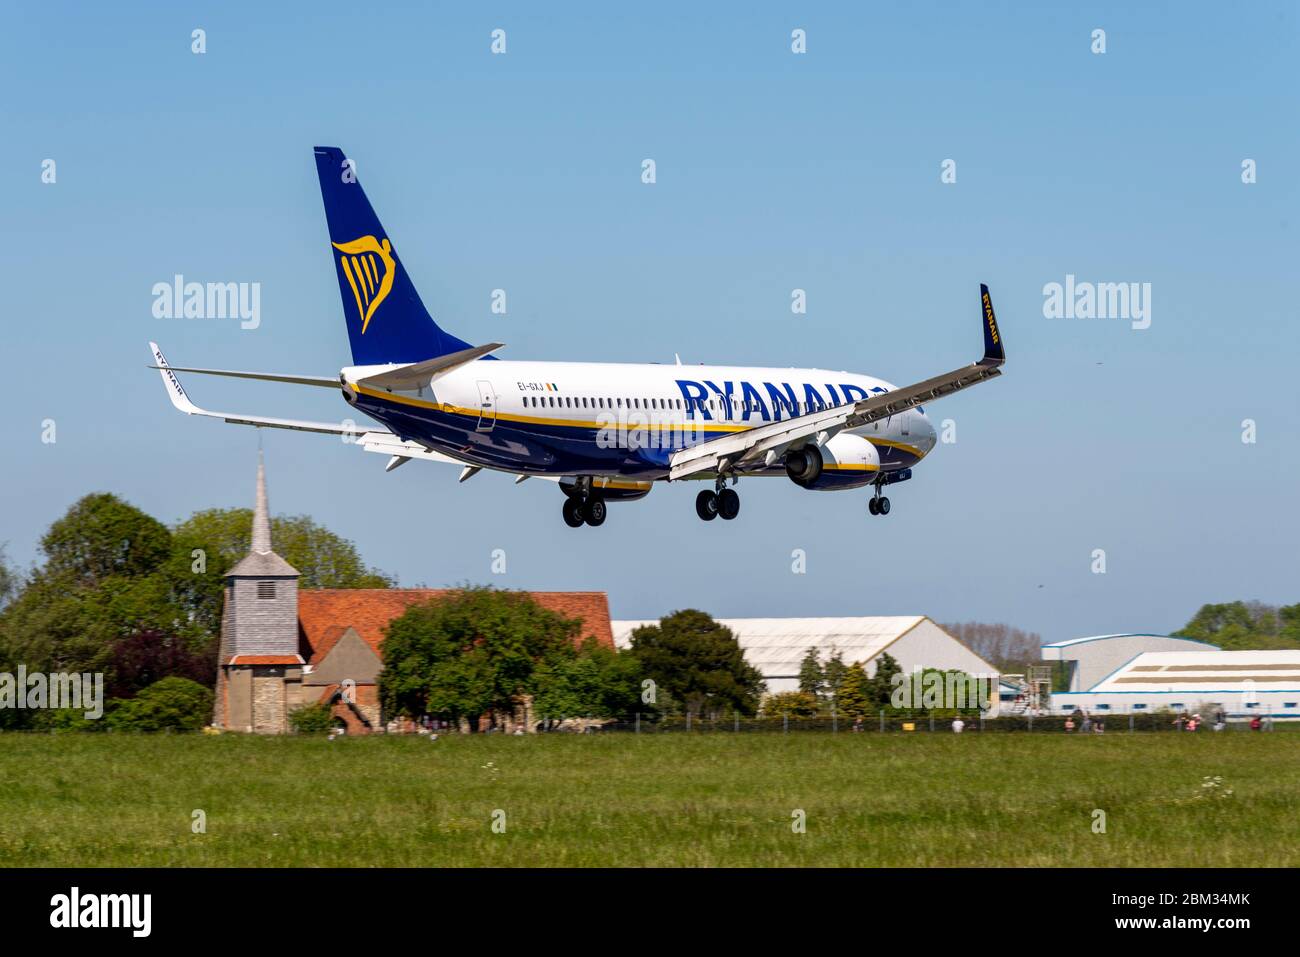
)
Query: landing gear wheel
[
  {"x": 728, "y": 503},
  {"x": 573, "y": 513},
  {"x": 873, "y": 506},
  {"x": 706, "y": 505},
  {"x": 883, "y": 507},
  {"x": 594, "y": 511}
]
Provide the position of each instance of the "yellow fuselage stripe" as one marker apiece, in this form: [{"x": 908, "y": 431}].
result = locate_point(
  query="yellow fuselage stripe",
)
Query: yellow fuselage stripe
[{"x": 573, "y": 424}]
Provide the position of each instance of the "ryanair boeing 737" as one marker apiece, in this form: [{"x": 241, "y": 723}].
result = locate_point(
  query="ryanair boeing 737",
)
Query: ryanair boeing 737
[{"x": 604, "y": 432}]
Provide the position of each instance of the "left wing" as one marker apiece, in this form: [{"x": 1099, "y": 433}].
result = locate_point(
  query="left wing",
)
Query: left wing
[
  {"x": 373, "y": 440},
  {"x": 767, "y": 442},
  {"x": 399, "y": 450}
]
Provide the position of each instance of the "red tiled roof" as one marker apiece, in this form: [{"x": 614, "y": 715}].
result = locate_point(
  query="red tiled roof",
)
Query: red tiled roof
[
  {"x": 264, "y": 660},
  {"x": 325, "y": 614}
]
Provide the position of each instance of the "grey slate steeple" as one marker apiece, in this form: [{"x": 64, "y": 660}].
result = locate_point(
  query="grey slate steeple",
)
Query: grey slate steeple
[
  {"x": 259, "y": 659},
  {"x": 261, "y": 561}
]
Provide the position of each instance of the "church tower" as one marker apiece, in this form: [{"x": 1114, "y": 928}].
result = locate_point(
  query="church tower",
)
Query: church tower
[{"x": 259, "y": 670}]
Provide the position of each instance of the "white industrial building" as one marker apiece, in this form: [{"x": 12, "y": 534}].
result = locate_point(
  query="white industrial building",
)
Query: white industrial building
[
  {"x": 777, "y": 646},
  {"x": 1242, "y": 684},
  {"x": 1089, "y": 660}
]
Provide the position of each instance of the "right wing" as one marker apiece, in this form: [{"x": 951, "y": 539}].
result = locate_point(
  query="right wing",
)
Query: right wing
[{"x": 740, "y": 450}]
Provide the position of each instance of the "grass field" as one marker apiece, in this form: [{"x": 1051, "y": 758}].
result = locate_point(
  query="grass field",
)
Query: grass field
[{"x": 624, "y": 800}]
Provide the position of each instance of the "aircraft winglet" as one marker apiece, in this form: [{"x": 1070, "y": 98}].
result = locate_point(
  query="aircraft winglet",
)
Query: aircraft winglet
[
  {"x": 175, "y": 391},
  {"x": 994, "y": 354}
]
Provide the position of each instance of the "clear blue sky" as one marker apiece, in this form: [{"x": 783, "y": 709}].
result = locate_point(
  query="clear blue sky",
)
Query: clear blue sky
[{"x": 775, "y": 171}]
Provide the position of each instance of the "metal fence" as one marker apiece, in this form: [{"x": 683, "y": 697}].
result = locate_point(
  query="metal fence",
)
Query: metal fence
[{"x": 918, "y": 722}]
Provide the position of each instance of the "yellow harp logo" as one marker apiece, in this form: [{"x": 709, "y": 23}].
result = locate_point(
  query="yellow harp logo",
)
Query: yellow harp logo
[{"x": 368, "y": 265}]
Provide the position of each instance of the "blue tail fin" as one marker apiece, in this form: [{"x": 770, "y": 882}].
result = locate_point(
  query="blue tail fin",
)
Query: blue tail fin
[{"x": 386, "y": 320}]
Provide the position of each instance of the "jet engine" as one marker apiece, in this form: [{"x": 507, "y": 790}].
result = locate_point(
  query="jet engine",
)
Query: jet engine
[{"x": 846, "y": 461}]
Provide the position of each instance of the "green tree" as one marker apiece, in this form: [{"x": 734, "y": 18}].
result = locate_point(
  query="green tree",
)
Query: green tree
[
  {"x": 812, "y": 677},
  {"x": 470, "y": 653},
  {"x": 796, "y": 704},
  {"x": 173, "y": 704},
  {"x": 312, "y": 718},
  {"x": 854, "y": 695},
  {"x": 10, "y": 579},
  {"x": 880, "y": 687},
  {"x": 1240, "y": 625},
  {"x": 698, "y": 662},
  {"x": 102, "y": 537},
  {"x": 1289, "y": 623},
  {"x": 110, "y": 571},
  {"x": 833, "y": 673},
  {"x": 323, "y": 558},
  {"x": 595, "y": 682}
]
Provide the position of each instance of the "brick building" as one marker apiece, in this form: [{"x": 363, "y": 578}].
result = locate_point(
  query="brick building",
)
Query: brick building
[{"x": 282, "y": 648}]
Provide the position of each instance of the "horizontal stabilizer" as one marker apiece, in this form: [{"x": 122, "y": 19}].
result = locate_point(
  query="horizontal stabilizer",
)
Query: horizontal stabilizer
[{"x": 420, "y": 374}]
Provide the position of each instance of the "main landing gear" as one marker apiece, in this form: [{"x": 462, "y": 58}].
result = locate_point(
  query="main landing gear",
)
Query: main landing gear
[
  {"x": 879, "y": 505},
  {"x": 724, "y": 502},
  {"x": 584, "y": 507}
]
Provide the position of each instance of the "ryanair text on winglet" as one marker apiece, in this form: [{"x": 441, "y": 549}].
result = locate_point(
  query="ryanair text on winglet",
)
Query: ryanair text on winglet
[{"x": 988, "y": 317}]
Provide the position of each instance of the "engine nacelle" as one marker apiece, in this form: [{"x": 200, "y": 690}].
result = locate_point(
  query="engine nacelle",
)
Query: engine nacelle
[
  {"x": 846, "y": 461},
  {"x": 804, "y": 465}
]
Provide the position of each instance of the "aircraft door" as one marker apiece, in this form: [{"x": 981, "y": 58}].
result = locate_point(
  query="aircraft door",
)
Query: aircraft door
[{"x": 487, "y": 406}]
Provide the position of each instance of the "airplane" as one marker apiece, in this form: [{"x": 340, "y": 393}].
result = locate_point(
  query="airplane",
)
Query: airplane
[{"x": 604, "y": 432}]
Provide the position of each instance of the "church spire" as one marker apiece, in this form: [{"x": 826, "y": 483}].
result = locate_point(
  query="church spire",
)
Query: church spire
[
  {"x": 261, "y": 560},
  {"x": 261, "y": 513}
]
